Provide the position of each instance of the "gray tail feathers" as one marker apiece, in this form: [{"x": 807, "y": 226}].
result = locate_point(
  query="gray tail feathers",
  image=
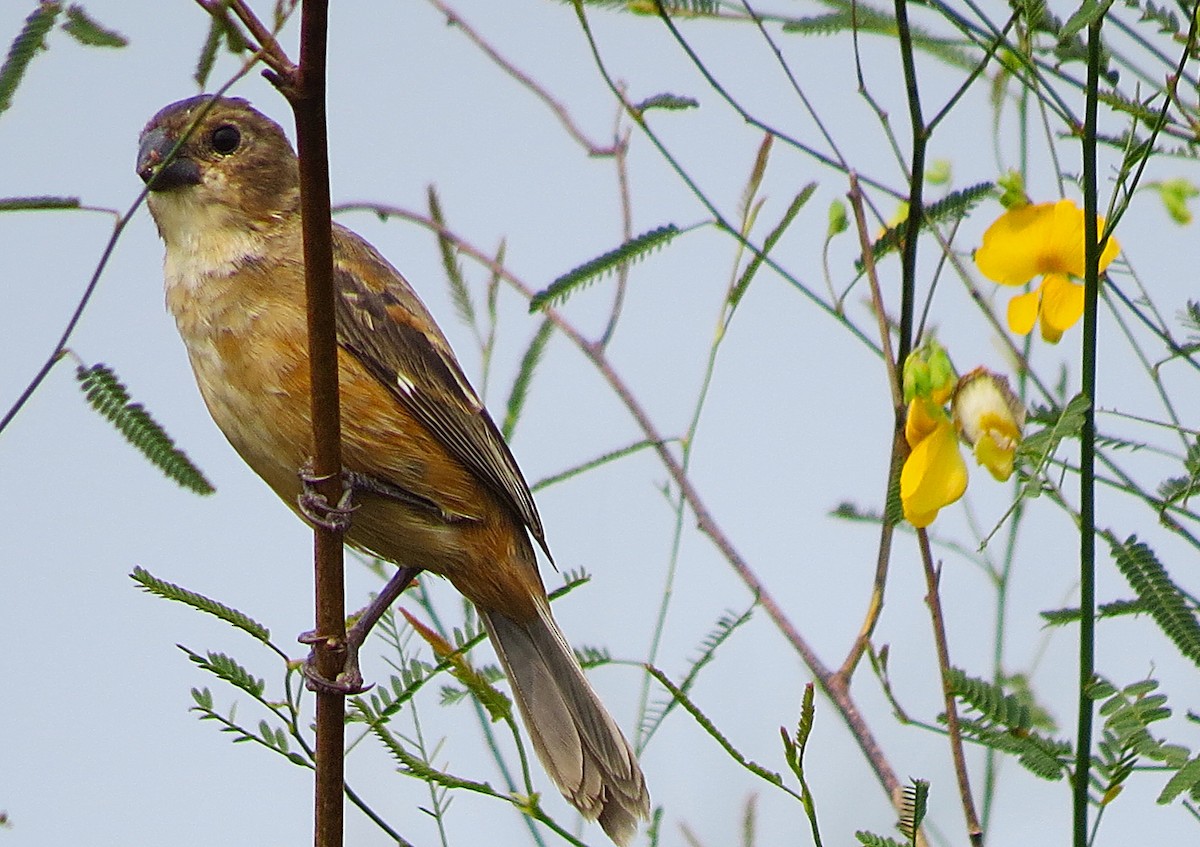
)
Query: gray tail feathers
[{"x": 576, "y": 739}]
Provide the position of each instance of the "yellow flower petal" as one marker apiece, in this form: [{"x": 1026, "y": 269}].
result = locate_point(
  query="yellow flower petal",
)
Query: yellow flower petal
[
  {"x": 1045, "y": 238},
  {"x": 1012, "y": 245},
  {"x": 922, "y": 420},
  {"x": 933, "y": 476},
  {"x": 1062, "y": 245},
  {"x": 1023, "y": 311},
  {"x": 990, "y": 418},
  {"x": 1062, "y": 304},
  {"x": 996, "y": 457}
]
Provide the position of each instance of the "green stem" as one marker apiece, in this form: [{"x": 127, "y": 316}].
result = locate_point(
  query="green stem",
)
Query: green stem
[{"x": 1087, "y": 457}]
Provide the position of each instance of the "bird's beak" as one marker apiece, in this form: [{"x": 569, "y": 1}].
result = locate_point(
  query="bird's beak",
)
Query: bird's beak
[{"x": 178, "y": 172}]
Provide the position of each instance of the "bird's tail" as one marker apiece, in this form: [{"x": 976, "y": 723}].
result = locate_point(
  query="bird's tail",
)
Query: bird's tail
[{"x": 576, "y": 739}]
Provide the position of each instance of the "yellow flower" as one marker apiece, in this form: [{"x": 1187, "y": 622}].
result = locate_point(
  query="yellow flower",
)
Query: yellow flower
[
  {"x": 990, "y": 418},
  {"x": 934, "y": 475},
  {"x": 1044, "y": 239}
]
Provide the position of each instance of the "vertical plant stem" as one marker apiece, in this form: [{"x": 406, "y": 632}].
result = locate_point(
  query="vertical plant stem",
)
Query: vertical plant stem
[
  {"x": 306, "y": 92},
  {"x": 933, "y": 598},
  {"x": 1087, "y": 449},
  {"x": 920, "y": 136}
]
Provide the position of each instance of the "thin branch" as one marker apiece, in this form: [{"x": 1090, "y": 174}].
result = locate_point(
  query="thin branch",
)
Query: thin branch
[
  {"x": 533, "y": 86},
  {"x": 933, "y": 599}
]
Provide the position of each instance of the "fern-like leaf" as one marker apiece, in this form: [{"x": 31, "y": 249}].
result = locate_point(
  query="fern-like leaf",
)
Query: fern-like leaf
[
  {"x": 520, "y": 388},
  {"x": 1060, "y": 617},
  {"x": 773, "y": 236},
  {"x": 228, "y": 669},
  {"x": 1178, "y": 489},
  {"x": 1045, "y": 757},
  {"x": 170, "y": 591},
  {"x": 870, "y": 839},
  {"x": 24, "y": 47},
  {"x": 989, "y": 700},
  {"x": 604, "y": 459},
  {"x": 1187, "y": 778},
  {"x": 37, "y": 204},
  {"x": 631, "y": 251},
  {"x": 449, "y": 252},
  {"x": 1164, "y": 601},
  {"x": 671, "y": 102},
  {"x": 725, "y": 626},
  {"x": 709, "y": 727},
  {"x": 84, "y": 29},
  {"x": 913, "y": 808},
  {"x": 208, "y": 52},
  {"x": 861, "y": 18},
  {"x": 110, "y": 398},
  {"x": 952, "y": 207},
  {"x": 1035, "y": 449}
]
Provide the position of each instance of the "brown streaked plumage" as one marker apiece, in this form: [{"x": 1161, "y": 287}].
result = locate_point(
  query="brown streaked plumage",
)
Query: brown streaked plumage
[{"x": 436, "y": 486}]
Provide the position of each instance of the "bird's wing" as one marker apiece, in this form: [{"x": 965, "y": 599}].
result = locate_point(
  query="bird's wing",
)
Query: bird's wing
[{"x": 382, "y": 322}]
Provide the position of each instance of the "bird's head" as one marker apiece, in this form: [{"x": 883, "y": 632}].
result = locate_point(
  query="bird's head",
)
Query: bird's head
[{"x": 215, "y": 165}]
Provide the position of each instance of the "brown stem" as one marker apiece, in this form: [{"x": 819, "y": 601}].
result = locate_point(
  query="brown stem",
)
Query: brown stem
[
  {"x": 526, "y": 81},
  {"x": 899, "y": 444},
  {"x": 933, "y": 599},
  {"x": 305, "y": 90}
]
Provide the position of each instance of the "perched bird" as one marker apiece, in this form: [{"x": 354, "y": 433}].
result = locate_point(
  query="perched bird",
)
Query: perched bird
[{"x": 434, "y": 484}]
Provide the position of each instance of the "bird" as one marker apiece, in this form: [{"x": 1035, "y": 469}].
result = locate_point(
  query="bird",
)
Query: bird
[{"x": 435, "y": 487}]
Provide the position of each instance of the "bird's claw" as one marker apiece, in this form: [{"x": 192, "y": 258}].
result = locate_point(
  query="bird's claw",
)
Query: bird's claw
[
  {"x": 348, "y": 681},
  {"x": 315, "y": 507}
]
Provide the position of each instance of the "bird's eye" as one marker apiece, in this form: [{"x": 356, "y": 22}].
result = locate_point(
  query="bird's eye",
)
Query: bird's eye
[{"x": 225, "y": 139}]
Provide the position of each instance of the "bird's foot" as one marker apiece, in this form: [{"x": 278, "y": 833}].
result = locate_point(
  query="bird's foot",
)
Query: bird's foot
[
  {"x": 315, "y": 506},
  {"x": 348, "y": 681}
]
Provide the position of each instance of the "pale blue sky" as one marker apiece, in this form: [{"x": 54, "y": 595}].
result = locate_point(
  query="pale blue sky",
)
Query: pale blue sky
[{"x": 96, "y": 742}]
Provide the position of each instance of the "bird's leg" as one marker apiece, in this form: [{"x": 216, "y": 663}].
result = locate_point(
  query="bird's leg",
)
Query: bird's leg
[
  {"x": 350, "y": 680},
  {"x": 316, "y": 508}
]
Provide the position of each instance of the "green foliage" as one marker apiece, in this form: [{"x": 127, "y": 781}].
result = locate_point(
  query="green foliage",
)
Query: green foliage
[
  {"x": 84, "y": 29},
  {"x": 736, "y": 294},
  {"x": 1126, "y": 739},
  {"x": 870, "y": 839},
  {"x": 1178, "y": 489},
  {"x": 725, "y": 627},
  {"x": 602, "y": 459},
  {"x": 913, "y": 808},
  {"x": 34, "y": 204},
  {"x": 450, "y": 264},
  {"x": 24, "y": 47},
  {"x": 1187, "y": 778},
  {"x": 1163, "y": 17},
  {"x": 670, "y": 102},
  {"x": 953, "y": 207},
  {"x": 862, "y": 18},
  {"x": 110, "y": 398},
  {"x": 793, "y": 751},
  {"x": 1164, "y": 601},
  {"x": 1117, "y": 608},
  {"x": 710, "y": 728},
  {"x": 227, "y": 668},
  {"x": 520, "y": 388},
  {"x": 275, "y": 739},
  {"x": 1037, "y": 448},
  {"x": 993, "y": 704},
  {"x": 221, "y": 30},
  {"x": 631, "y": 251},
  {"x": 170, "y": 591},
  {"x": 1088, "y": 13},
  {"x": 1045, "y": 757}
]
